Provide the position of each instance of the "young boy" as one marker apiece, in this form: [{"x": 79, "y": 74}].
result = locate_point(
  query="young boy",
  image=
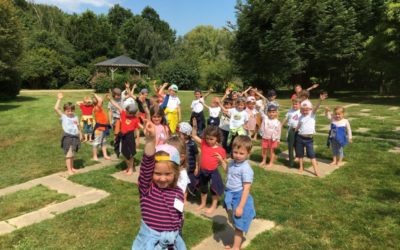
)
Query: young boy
[
  {"x": 101, "y": 129},
  {"x": 224, "y": 125},
  {"x": 70, "y": 141},
  {"x": 113, "y": 112},
  {"x": 305, "y": 131},
  {"x": 292, "y": 119},
  {"x": 173, "y": 108},
  {"x": 238, "y": 202}
]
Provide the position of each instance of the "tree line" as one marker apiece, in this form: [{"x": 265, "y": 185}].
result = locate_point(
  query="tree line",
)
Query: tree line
[{"x": 342, "y": 44}]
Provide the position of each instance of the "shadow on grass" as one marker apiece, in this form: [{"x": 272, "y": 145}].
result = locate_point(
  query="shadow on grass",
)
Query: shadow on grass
[
  {"x": 8, "y": 107},
  {"x": 19, "y": 99},
  {"x": 385, "y": 194},
  {"x": 366, "y": 97}
]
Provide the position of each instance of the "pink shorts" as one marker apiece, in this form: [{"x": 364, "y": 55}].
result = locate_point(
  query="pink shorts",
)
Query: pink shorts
[{"x": 268, "y": 143}]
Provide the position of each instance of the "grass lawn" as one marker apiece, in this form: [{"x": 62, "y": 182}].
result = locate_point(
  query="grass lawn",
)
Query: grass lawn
[{"x": 356, "y": 207}]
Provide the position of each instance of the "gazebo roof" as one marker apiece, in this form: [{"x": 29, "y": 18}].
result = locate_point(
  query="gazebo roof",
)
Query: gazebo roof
[{"x": 122, "y": 61}]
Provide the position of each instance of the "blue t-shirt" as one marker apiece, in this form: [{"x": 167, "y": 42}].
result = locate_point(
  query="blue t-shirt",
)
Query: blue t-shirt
[
  {"x": 70, "y": 124},
  {"x": 237, "y": 174},
  {"x": 191, "y": 151}
]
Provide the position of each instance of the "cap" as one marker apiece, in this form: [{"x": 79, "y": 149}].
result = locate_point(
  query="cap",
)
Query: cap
[
  {"x": 272, "y": 108},
  {"x": 144, "y": 91},
  {"x": 306, "y": 104},
  {"x": 250, "y": 99},
  {"x": 173, "y": 154},
  {"x": 271, "y": 93},
  {"x": 116, "y": 91},
  {"x": 173, "y": 87},
  {"x": 185, "y": 128},
  {"x": 131, "y": 107}
]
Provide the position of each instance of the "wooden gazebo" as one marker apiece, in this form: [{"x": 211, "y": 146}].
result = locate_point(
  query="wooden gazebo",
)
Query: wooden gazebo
[{"x": 122, "y": 62}]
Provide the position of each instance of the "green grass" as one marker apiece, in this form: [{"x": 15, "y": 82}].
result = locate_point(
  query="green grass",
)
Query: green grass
[
  {"x": 356, "y": 207},
  {"x": 24, "y": 201}
]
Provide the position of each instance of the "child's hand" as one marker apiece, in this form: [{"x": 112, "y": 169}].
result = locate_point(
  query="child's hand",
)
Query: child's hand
[
  {"x": 219, "y": 157},
  {"x": 108, "y": 96},
  {"x": 149, "y": 129},
  {"x": 60, "y": 95},
  {"x": 134, "y": 86},
  {"x": 315, "y": 85},
  {"x": 228, "y": 91},
  {"x": 239, "y": 212},
  {"x": 350, "y": 141},
  {"x": 165, "y": 84},
  {"x": 327, "y": 109},
  {"x": 127, "y": 85}
]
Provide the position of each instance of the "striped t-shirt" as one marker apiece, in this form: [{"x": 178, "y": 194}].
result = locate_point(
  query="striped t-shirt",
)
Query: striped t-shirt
[{"x": 157, "y": 204}]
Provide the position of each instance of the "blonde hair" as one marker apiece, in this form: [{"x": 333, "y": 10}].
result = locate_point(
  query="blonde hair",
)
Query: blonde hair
[
  {"x": 339, "y": 109},
  {"x": 172, "y": 165},
  {"x": 180, "y": 145},
  {"x": 242, "y": 141}
]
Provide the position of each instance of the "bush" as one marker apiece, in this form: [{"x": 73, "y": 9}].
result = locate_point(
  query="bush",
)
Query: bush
[
  {"x": 178, "y": 71},
  {"x": 79, "y": 76},
  {"x": 72, "y": 85},
  {"x": 102, "y": 83},
  {"x": 10, "y": 85}
]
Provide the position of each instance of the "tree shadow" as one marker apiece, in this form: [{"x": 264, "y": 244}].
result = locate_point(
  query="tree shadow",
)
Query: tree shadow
[
  {"x": 8, "y": 107},
  {"x": 79, "y": 163},
  {"x": 366, "y": 97},
  {"x": 19, "y": 99}
]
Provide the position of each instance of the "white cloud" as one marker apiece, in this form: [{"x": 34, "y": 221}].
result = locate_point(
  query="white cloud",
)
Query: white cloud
[{"x": 75, "y": 5}]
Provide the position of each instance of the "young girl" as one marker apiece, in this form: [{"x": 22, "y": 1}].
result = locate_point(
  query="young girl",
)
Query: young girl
[
  {"x": 271, "y": 135},
  {"x": 70, "y": 141},
  {"x": 113, "y": 112},
  {"x": 292, "y": 119},
  {"x": 252, "y": 113},
  {"x": 298, "y": 89},
  {"x": 209, "y": 162},
  {"x": 214, "y": 110},
  {"x": 158, "y": 119},
  {"x": 87, "y": 118},
  {"x": 197, "y": 111},
  {"x": 339, "y": 134},
  {"x": 224, "y": 125},
  {"x": 129, "y": 123},
  {"x": 192, "y": 156},
  {"x": 305, "y": 131},
  {"x": 161, "y": 200},
  {"x": 173, "y": 108},
  {"x": 101, "y": 129}
]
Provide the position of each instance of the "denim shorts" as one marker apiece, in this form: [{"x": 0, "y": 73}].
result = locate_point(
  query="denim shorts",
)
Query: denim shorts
[{"x": 304, "y": 142}]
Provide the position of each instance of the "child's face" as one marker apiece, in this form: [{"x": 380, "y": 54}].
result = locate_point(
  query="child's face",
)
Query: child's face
[
  {"x": 240, "y": 154},
  {"x": 240, "y": 106},
  {"x": 181, "y": 136},
  {"x": 296, "y": 105},
  {"x": 156, "y": 119},
  {"x": 197, "y": 95},
  {"x": 339, "y": 115},
  {"x": 298, "y": 88},
  {"x": 69, "y": 112},
  {"x": 171, "y": 92},
  {"x": 163, "y": 175},
  {"x": 117, "y": 97},
  {"x": 211, "y": 140},
  {"x": 305, "y": 111},
  {"x": 272, "y": 98},
  {"x": 228, "y": 105},
  {"x": 272, "y": 114},
  {"x": 250, "y": 105}
]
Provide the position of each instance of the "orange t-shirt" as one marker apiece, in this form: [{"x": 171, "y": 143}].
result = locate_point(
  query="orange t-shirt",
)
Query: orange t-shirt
[{"x": 100, "y": 116}]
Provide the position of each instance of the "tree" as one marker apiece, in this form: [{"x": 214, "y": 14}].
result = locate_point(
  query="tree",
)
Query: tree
[
  {"x": 180, "y": 71},
  {"x": 10, "y": 50},
  {"x": 117, "y": 16}
]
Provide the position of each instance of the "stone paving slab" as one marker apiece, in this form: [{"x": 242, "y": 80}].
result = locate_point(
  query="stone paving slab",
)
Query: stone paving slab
[
  {"x": 351, "y": 105},
  {"x": 93, "y": 196},
  {"x": 63, "y": 185},
  {"x": 393, "y": 108},
  {"x": 5, "y": 228},
  {"x": 64, "y": 206},
  {"x": 30, "y": 218},
  {"x": 128, "y": 178},
  {"x": 365, "y": 110},
  {"x": 395, "y": 150}
]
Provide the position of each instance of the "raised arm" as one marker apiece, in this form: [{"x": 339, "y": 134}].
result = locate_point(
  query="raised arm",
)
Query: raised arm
[
  {"x": 227, "y": 92},
  {"x": 328, "y": 113},
  {"x": 204, "y": 103},
  {"x": 207, "y": 94},
  {"x": 161, "y": 90},
  {"x": 57, "y": 106},
  {"x": 315, "y": 85},
  {"x": 114, "y": 103},
  {"x": 322, "y": 97},
  {"x": 99, "y": 100},
  {"x": 195, "y": 137},
  {"x": 247, "y": 90},
  {"x": 261, "y": 96}
]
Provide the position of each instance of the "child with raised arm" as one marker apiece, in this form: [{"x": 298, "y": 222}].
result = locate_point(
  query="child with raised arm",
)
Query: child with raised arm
[
  {"x": 70, "y": 141},
  {"x": 305, "y": 131},
  {"x": 298, "y": 89},
  {"x": 126, "y": 137},
  {"x": 339, "y": 134},
  {"x": 238, "y": 202},
  {"x": 86, "y": 124},
  {"x": 292, "y": 119},
  {"x": 113, "y": 112},
  {"x": 157, "y": 117},
  {"x": 172, "y": 108},
  {"x": 214, "y": 111},
  {"x": 209, "y": 146},
  {"x": 271, "y": 135},
  {"x": 197, "y": 111},
  {"x": 101, "y": 129},
  {"x": 161, "y": 200},
  {"x": 224, "y": 125}
]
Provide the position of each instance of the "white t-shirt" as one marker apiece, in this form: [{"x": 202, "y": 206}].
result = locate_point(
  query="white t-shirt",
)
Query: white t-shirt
[
  {"x": 70, "y": 124},
  {"x": 238, "y": 118},
  {"x": 197, "y": 106},
  {"x": 307, "y": 124},
  {"x": 173, "y": 102},
  {"x": 260, "y": 104},
  {"x": 293, "y": 117},
  {"x": 214, "y": 112},
  {"x": 183, "y": 180}
]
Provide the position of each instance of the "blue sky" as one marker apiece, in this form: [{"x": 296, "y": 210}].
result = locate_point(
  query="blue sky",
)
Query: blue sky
[{"x": 182, "y": 15}]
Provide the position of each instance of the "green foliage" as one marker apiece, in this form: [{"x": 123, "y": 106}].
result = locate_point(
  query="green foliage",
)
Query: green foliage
[
  {"x": 79, "y": 76},
  {"x": 72, "y": 85},
  {"x": 103, "y": 83},
  {"x": 10, "y": 50},
  {"x": 179, "y": 71},
  {"x": 117, "y": 16}
]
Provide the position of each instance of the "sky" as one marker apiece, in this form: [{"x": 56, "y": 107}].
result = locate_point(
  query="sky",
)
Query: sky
[{"x": 182, "y": 15}]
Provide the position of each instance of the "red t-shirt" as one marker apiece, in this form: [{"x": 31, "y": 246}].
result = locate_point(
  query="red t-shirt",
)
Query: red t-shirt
[
  {"x": 207, "y": 159},
  {"x": 86, "y": 110},
  {"x": 128, "y": 123}
]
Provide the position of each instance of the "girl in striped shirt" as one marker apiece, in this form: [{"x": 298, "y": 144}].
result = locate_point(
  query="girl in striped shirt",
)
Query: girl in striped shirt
[{"x": 161, "y": 200}]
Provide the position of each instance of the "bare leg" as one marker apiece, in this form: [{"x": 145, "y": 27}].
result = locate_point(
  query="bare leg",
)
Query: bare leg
[
  {"x": 137, "y": 140},
  {"x": 203, "y": 201},
  {"x": 264, "y": 157},
  {"x": 95, "y": 154},
  {"x": 339, "y": 162},
  {"x": 315, "y": 166},
  {"x": 301, "y": 164},
  {"x": 271, "y": 158},
  {"x": 237, "y": 240},
  {"x": 104, "y": 149},
  {"x": 72, "y": 165},
  {"x": 334, "y": 161},
  {"x": 130, "y": 166},
  {"x": 69, "y": 167},
  {"x": 214, "y": 204}
]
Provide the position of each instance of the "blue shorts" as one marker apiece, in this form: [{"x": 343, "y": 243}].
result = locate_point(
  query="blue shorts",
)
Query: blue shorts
[
  {"x": 304, "y": 142},
  {"x": 231, "y": 201}
]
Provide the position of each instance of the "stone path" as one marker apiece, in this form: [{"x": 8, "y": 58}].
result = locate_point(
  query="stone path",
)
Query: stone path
[
  {"x": 365, "y": 110},
  {"x": 395, "y": 150},
  {"x": 351, "y": 105},
  {"x": 393, "y": 108},
  {"x": 362, "y": 130},
  {"x": 220, "y": 238},
  {"x": 82, "y": 196}
]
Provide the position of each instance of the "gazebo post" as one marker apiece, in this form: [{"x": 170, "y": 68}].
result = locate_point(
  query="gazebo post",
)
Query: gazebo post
[
  {"x": 138, "y": 70},
  {"x": 112, "y": 73}
]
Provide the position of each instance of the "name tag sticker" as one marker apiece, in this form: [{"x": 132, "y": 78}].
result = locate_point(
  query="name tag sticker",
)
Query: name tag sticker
[{"x": 178, "y": 205}]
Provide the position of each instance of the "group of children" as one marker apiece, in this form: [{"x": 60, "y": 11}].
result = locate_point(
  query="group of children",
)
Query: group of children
[{"x": 172, "y": 165}]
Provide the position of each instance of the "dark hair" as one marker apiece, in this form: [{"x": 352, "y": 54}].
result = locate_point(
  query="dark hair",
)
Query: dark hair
[
  {"x": 197, "y": 91},
  {"x": 158, "y": 111},
  {"x": 116, "y": 91},
  {"x": 70, "y": 106},
  {"x": 228, "y": 101},
  {"x": 213, "y": 131}
]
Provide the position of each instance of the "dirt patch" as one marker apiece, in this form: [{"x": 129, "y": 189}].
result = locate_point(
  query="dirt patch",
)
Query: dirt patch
[{"x": 395, "y": 150}]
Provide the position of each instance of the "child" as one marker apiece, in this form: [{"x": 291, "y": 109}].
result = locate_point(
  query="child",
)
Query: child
[
  {"x": 126, "y": 138},
  {"x": 292, "y": 119},
  {"x": 271, "y": 100},
  {"x": 197, "y": 111},
  {"x": 183, "y": 180},
  {"x": 238, "y": 202},
  {"x": 238, "y": 119},
  {"x": 158, "y": 119},
  {"x": 192, "y": 155},
  {"x": 214, "y": 110},
  {"x": 271, "y": 135},
  {"x": 173, "y": 108},
  {"x": 70, "y": 141},
  {"x": 209, "y": 165},
  {"x": 87, "y": 118},
  {"x": 113, "y": 112},
  {"x": 252, "y": 113},
  {"x": 224, "y": 125},
  {"x": 305, "y": 131},
  {"x": 298, "y": 89},
  {"x": 339, "y": 134},
  {"x": 161, "y": 200},
  {"x": 101, "y": 129}
]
